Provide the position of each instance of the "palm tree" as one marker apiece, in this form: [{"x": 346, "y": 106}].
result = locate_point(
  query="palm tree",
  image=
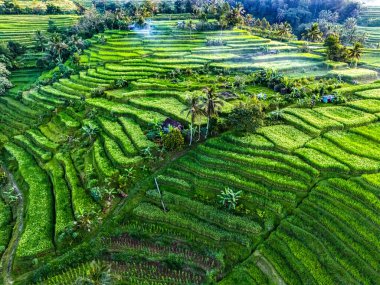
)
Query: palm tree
[
  {"x": 223, "y": 23},
  {"x": 11, "y": 195},
  {"x": 129, "y": 172},
  {"x": 236, "y": 15},
  {"x": 90, "y": 131},
  {"x": 284, "y": 30},
  {"x": 190, "y": 26},
  {"x": 193, "y": 110},
  {"x": 98, "y": 273},
  {"x": 211, "y": 105},
  {"x": 85, "y": 221},
  {"x": 109, "y": 192},
  {"x": 228, "y": 198},
  {"x": 40, "y": 41},
  {"x": 355, "y": 52},
  {"x": 120, "y": 17},
  {"x": 249, "y": 20},
  {"x": 57, "y": 46},
  {"x": 76, "y": 43},
  {"x": 313, "y": 34}
]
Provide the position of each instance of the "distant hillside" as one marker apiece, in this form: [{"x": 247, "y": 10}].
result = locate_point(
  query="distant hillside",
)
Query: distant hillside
[
  {"x": 370, "y": 16},
  {"x": 37, "y": 7}
]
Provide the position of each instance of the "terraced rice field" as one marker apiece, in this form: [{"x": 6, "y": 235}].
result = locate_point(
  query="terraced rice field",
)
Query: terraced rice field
[
  {"x": 287, "y": 169},
  {"x": 22, "y": 79},
  {"x": 301, "y": 219},
  {"x": 27, "y": 25},
  {"x": 64, "y": 5},
  {"x": 355, "y": 74},
  {"x": 371, "y": 58},
  {"x": 369, "y": 19},
  {"x": 370, "y": 12},
  {"x": 373, "y": 35}
]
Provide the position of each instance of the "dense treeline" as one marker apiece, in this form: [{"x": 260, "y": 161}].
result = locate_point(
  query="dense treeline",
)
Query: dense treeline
[
  {"x": 298, "y": 12},
  {"x": 8, "y": 54}
]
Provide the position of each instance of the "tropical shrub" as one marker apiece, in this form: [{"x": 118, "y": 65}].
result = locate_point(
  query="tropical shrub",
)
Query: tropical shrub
[
  {"x": 247, "y": 116},
  {"x": 173, "y": 140},
  {"x": 98, "y": 92}
]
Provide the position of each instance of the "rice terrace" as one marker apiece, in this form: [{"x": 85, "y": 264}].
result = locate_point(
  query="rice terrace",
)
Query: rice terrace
[{"x": 162, "y": 142}]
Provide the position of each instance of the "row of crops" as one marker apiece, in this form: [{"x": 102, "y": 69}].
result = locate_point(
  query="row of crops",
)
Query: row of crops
[
  {"x": 24, "y": 33},
  {"x": 27, "y": 25},
  {"x": 330, "y": 226},
  {"x": 235, "y": 51},
  {"x": 40, "y": 6},
  {"x": 329, "y": 239},
  {"x": 46, "y": 147},
  {"x": 369, "y": 23},
  {"x": 37, "y": 156}
]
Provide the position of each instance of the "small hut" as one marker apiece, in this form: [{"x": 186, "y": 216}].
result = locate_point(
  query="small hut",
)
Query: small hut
[
  {"x": 170, "y": 122},
  {"x": 328, "y": 98}
]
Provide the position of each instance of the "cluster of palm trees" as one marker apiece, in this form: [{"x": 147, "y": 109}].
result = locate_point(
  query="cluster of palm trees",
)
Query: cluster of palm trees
[
  {"x": 226, "y": 15},
  {"x": 58, "y": 47},
  {"x": 353, "y": 55},
  {"x": 206, "y": 103},
  {"x": 282, "y": 30}
]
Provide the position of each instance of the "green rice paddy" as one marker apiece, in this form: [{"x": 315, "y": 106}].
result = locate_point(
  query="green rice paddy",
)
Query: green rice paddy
[{"x": 310, "y": 185}]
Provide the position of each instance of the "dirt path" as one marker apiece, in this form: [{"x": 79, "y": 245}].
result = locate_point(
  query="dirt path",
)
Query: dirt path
[
  {"x": 8, "y": 256},
  {"x": 266, "y": 267}
]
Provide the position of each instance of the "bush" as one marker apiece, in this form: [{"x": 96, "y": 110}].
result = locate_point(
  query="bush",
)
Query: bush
[
  {"x": 3, "y": 177},
  {"x": 16, "y": 48},
  {"x": 334, "y": 49},
  {"x": 247, "y": 116},
  {"x": 120, "y": 83},
  {"x": 173, "y": 140},
  {"x": 98, "y": 92}
]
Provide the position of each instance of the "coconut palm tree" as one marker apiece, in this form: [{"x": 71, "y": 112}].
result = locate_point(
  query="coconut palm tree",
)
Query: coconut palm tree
[
  {"x": 190, "y": 25},
  {"x": 284, "y": 30},
  {"x": 211, "y": 105},
  {"x": 90, "y": 131},
  {"x": 40, "y": 41},
  {"x": 98, "y": 273},
  {"x": 236, "y": 15},
  {"x": 223, "y": 23},
  {"x": 120, "y": 17},
  {"x": 57, "y": 46},
  {"x": 109, "y": 192},
  {"x": 76, "y": 43},
  {"x": 355, "y": 53},
  {"x": 193, "y": 110},
  {"x": 313, "y": 34}
]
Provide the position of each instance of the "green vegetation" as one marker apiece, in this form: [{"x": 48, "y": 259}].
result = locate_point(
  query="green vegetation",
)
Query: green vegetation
[
  {"x": 186, "y": 142},
  {"x": 38, "y": 231}
]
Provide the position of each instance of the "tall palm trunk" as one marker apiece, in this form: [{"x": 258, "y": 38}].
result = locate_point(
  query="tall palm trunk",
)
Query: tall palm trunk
[
  {"x": 191, "y": 128},
  {"x": 208, "y": 126},
  {"x": 191, "y": 134}
]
